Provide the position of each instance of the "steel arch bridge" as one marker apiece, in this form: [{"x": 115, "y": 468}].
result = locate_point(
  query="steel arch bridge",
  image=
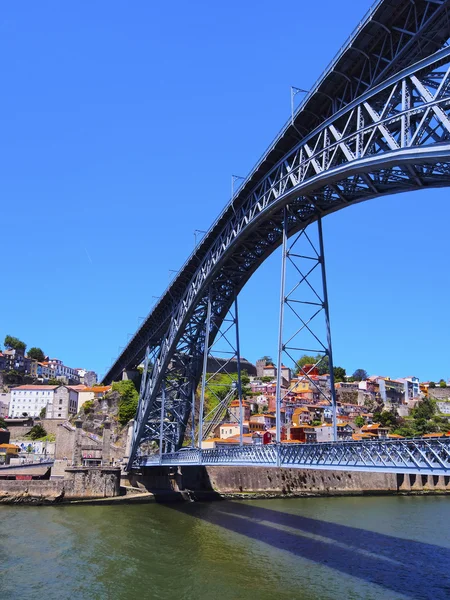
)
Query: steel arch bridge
[{"x": 376, "y": 122}]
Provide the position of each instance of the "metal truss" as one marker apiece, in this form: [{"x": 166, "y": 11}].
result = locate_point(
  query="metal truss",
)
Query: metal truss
[
  {"x": 393, "y": 35},
  {"x": 393, "y": 138},
  {"x": 306, "y": 299},
  {"x": 420, "y": 456},
  {"x": 224, "y": 344}
]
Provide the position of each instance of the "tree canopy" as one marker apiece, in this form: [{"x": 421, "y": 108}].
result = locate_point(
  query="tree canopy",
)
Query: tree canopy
[
  {"x": 322, "y": 362},
  {"x": 360, "y": 375},
  {"x": 323, "y": 366},
  {"x": 387, "y": 418},
  {"x": 339, "y": 374},
  {"x": 424, "y": 409},
  {"x": 359, "y": 421},
  {"x": 268, "y": 360},
  {"x": 36, "y": 353},
  {"x": 13, "y": 343}
]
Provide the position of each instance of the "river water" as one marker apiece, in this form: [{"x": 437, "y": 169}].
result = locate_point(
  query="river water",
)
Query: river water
[{"x": 311, "y": 548}]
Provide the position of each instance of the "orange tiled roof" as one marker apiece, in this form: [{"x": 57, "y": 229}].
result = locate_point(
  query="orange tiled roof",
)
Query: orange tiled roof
[{"x": 371, "y": 427}]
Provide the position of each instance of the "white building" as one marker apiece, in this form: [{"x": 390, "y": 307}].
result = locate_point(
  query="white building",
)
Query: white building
[
  {"x": 29, "y": 400},
  {"x": 61, "y": 370}
]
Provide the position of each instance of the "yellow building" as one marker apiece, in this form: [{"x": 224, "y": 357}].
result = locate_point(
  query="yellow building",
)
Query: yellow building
[{"x": 8, "y": 451}]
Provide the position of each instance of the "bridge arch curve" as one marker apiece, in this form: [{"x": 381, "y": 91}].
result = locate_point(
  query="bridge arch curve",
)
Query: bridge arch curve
[
  {"x": 393, "y": 138},
  {"x": 383, "y": 128}
]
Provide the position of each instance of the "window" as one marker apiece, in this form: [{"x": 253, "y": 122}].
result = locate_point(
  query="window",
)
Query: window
[{"x": 60, "y": 401}]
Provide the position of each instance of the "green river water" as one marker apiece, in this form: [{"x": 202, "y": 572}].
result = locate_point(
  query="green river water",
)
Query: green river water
[{"x": 349, "y": 548}]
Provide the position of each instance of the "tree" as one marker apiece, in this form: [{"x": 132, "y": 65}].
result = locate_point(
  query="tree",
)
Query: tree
[
  {"x": 268, "y": 360},
  {"x": 359, "y": 421},
  {"x": 424, "y": 409},
  {"x": 54, "y": 381},
  {"x": 406, "y": 431},
  {"x": 37, "y": 432},
  {"x": 13, "y": 343},
  {"x": 442, "y": 384},
  {"x": 432, "y": 384},
  {"x": 386, "y": 418},
  {"x": 360, "y": 375},
  {"x": 306, "y": 359},
  {"x": 245, "y": 380},
  {"x": 423, "y": 426},
  {"x": 339, "y": 374},
  {"x": 128, "y": 402},
  {"x": 321, "y": 360},
  {"x": 2, "y": 423},
  {"x": 43, "y": 412},
  {"x": 37, "y": 354}
]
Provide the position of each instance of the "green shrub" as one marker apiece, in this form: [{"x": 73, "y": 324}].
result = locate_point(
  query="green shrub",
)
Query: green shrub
[
  {"x": 88, "y": 406},
  {"x": 37, "y": 432},
  {"x": 128, "y": 402}
]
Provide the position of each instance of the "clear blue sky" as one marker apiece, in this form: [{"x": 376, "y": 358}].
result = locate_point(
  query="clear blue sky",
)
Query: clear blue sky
[{"x": 121, "y": 124}]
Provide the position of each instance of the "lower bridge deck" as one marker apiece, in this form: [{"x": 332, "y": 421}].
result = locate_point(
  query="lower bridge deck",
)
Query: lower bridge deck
[{"x": 420, "y": 456}]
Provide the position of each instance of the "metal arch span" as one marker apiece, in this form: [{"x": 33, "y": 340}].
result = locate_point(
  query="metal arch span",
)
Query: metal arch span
[
  {"x": 393, "y": 35},
  {"x": 395, "y": 137}
]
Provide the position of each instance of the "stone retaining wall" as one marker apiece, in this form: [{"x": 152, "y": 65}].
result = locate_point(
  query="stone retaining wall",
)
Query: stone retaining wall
[
  {"x": 79, "y": 483},
  {"x": 270, "y": 482},
  {"x": 280, "y": 481}
]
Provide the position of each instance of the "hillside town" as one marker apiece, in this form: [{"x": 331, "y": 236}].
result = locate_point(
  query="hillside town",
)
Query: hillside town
[
  {"x": 42, "y": 397},
  {"x": 368, "y": 407}
]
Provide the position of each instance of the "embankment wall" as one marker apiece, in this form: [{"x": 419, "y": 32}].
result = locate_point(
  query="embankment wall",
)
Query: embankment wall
[
  {"x": 270, "y": 482},
  {"x": 78, "y": 483}
]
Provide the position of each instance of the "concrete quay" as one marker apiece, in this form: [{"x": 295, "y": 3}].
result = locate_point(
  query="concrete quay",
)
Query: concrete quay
[
  {"x": 77, "y": 483},
  {"x": 204, "y": 482}
]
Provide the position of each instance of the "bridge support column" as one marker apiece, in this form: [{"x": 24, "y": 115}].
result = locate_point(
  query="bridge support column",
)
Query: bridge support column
[
  {"x": 304, "y": 323},
  {"x": 328, "y": 328},
  {"x": 221, "y": 357},
  {"x": 204, "y": 375}
]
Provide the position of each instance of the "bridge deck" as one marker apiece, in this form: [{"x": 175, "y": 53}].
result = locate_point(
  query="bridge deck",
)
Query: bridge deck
[{"x": 419, "y": 456}]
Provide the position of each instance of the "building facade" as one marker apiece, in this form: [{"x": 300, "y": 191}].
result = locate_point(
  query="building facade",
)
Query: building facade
[
  {"x": 5, "y": 399},
  {"x": 30, "y": 400},
  {"x": 64, "y": 403}
]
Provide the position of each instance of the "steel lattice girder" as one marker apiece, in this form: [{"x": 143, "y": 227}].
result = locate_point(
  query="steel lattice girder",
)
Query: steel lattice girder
[
  {"x": 393, "y": 35},
  {"x": 424, "y": 456},
  {"x": 393, "y": 138}
]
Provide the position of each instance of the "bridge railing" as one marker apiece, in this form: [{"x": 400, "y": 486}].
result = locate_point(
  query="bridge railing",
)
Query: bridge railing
[{"x": 427, "y": 456}]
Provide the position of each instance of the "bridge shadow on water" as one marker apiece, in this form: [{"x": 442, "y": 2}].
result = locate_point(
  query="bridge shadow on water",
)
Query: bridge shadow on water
[{"x": 415, "y": 569}]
